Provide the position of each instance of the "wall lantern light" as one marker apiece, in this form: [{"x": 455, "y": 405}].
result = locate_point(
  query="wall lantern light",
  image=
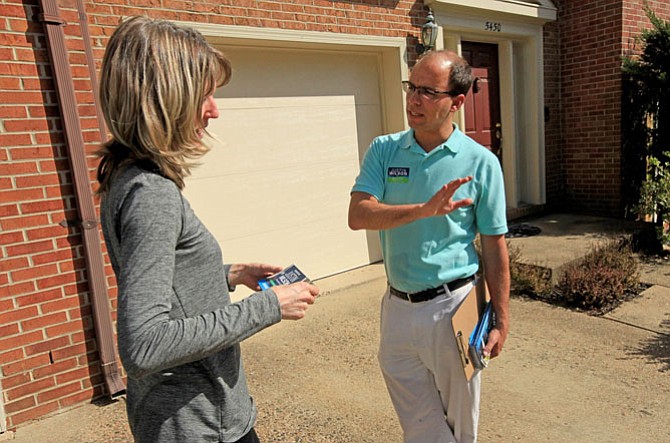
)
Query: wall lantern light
[{"x": 428, "y": 35}]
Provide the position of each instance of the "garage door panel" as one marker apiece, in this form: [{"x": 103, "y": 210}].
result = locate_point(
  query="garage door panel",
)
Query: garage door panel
[
  {"x": 283, "y": 72},
  {"x": 275, "y": 133},
  {"x": 284, "y": 247},
  {"x": 319, "y": 250},
  {"x": 243, "y": 205},
  {"x": 278, "y": 189},
  {"x": 275, "y": 186}
]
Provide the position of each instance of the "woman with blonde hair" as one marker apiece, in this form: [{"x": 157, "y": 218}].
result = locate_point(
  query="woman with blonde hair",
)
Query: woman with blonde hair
[{"x": 178, "y": 331}]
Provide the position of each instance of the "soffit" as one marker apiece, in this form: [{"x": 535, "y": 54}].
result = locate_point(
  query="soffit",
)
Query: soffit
[{"x": 540, "y": 10}]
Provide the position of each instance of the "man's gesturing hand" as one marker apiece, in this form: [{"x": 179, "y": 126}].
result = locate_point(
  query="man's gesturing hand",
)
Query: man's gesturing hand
[{"x": 442, "y": 202}]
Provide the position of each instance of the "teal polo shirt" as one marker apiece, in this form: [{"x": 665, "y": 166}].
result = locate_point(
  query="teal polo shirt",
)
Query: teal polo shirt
[{"x": 429, "y": 252}]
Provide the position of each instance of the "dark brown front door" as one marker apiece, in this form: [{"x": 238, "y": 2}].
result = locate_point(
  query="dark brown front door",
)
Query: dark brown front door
[{"x": 482, "y": 104}]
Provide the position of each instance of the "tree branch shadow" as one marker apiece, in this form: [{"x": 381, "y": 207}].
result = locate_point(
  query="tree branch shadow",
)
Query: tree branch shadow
[{"x": 656, "y": 349}]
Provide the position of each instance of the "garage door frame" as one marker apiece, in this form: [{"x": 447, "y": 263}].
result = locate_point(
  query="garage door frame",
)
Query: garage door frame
[
  {"x": 390, "y": 51},
  {"x": 391, "y": 68}
]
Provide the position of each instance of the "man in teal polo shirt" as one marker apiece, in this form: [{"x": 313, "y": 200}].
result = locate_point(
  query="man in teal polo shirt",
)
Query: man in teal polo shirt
[{"x": 429, "y": 191}]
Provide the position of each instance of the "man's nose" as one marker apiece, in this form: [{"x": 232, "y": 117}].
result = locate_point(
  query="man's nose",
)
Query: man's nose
[{"x": 413, "y": 96}]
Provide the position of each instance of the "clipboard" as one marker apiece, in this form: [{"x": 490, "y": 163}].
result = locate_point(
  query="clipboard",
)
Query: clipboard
[{"x": 465, "y": 320}]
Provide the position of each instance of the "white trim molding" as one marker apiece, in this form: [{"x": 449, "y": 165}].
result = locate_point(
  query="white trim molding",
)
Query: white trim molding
[{"x": 541, "y": 11}]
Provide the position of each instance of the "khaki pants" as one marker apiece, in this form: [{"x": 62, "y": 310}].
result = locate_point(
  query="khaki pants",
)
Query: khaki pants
[{"x": 423, "y": 373}]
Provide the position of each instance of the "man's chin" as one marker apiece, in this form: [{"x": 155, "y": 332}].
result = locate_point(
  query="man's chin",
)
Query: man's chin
[{"x": 414, "y": 119}]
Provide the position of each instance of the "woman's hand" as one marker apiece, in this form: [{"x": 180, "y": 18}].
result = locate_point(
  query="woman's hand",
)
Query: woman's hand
[
  {"x": 248, "y": 274},
  {"x": 294, "y": 299}
]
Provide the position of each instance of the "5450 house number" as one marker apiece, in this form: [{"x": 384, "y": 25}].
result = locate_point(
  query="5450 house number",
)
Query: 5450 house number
[{"x": 493, "y": 26}]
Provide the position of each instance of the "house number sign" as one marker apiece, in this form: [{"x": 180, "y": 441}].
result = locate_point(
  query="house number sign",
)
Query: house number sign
[{"x": 493, "y": 26}]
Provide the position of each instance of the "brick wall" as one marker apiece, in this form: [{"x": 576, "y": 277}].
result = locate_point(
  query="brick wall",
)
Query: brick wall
[
  {"x": 594, "y": 36},
  {"x": 590, "y": 99},
  {"x": 47, "y": 349},
  {"x": 552, "y": 103},
  {"x": 48, "y": 353}
]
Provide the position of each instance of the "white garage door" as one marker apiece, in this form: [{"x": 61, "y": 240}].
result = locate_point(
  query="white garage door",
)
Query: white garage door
[{"x": 292, "y": 128}]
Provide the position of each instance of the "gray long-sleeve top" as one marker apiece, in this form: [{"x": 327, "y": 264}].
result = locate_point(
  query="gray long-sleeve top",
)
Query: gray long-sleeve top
[{"x": 178, "y": 331}]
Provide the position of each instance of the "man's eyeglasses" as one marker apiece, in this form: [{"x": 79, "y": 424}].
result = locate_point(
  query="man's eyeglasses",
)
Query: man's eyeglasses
[{"x": 427, "y": 93}]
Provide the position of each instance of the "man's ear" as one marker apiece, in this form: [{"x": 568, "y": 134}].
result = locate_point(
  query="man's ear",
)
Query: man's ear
[{"x": 457, "y": 102}]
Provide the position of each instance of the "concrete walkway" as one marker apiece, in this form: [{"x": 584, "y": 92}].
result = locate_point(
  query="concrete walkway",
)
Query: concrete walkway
[{"x": 565, "y": 376}]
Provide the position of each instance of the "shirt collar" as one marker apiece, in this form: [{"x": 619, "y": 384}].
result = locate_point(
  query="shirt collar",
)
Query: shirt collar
[{"x": 453, "y": 143}]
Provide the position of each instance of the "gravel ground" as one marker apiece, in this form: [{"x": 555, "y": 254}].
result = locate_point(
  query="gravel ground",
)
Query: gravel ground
[{"x": 564, "y": 377}]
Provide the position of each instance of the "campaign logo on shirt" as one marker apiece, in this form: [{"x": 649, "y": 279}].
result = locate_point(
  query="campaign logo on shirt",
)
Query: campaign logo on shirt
[{"x": 397, "y": 174}]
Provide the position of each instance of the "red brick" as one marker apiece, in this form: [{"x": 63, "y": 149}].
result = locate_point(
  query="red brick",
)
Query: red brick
[
  {"x": 87, "y": 334},
  {"x": 11, "y": 356},
  {"x": 26, "y": 365},
  {"x": 43, "y": 110},
  {"x": 21, "y": 195},
  {"x": 55, "y": 368},
  {"x": 15, "y": 380},
  {"x": 34, "y": 272},
  {"x": 59, "y": 280},
  {"x": 48, "y": 232},
  {"x": 14, "y": 263},
  {"x": 6, "y": 305},
  {"x": 43, "y": 321},
  {"x": 65, "y": 328},
  {"x": 79, "y": 397},
  {"x": 33, "y": 413},
  {"x": 12, "y": 111},
  {"x": 19, "y": 405},
  {"x": 32, "y": 152},
  {"x": 40, "y": 297},
  {"x": 30, "y": 388},
  {"x": 10, "y": 329},
  {"x": 58, "y": 392},
  {"x": 11, "y": 237},
  {"x": 77, "y": 374},
  {"x": 23, "y": 222},
  {"x": 70, "y": 351},
  {"x": 8, "y": 84},
  {"x": 30, "y": 248},
  {"x": 73, "y": 265},
  {"x": 49, "y": 138},
  {"x": 18, "y": 314},
  {"x": 20, "y": 98},
  {"x": 17, "y": 168},
  {"x": 19, "y": 341},
  {"x": 47, "y": 345},
  {"x": 53, "y": 257},
  {"x": 17, "y": 289},
  {"x": 8, "y": 211},
  {"x": 34, "y": 181}
]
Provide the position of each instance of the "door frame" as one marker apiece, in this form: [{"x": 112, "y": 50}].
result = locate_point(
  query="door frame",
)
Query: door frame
[{"x": 518, "y": 32}]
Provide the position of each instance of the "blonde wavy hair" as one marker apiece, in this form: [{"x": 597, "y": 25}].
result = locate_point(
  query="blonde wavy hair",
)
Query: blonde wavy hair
[{"x": 155, "y": 76}]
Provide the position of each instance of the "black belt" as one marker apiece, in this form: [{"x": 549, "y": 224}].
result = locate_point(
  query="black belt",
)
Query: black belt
[{"x": 429, "y": 294}]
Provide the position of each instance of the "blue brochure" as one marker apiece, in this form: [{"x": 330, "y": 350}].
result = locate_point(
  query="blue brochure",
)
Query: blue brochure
[
  {"x": 284, "y": 277},
  {"x": 478, "y": 338}
]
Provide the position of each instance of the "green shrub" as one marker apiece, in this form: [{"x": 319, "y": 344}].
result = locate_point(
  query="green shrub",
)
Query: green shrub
[
  {"x": 604, "y": 278},
  {"x": 646, "y": 133}
]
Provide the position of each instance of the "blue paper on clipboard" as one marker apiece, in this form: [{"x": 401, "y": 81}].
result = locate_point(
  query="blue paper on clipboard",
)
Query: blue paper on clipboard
[{"x": 478, "y": 338}]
